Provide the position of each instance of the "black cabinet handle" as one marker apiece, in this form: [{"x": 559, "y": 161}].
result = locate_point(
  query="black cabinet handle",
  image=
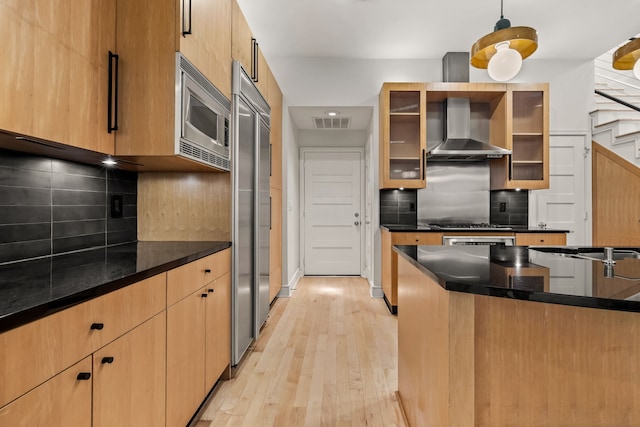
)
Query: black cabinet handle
[
  {"x": 254, "y": 60},
  {"x": 83, "y": 376},
  {"x": 270, "y": 160},
  {"x": 97, "y": 326},
  {"x": 210, "y": 290},
  {"x": 186, "y": 31},
  {"x": 112, "y": 99},
  {"x": 204, "y": 295},
  {"x": 208, "y": 270},
  {"x": 108, "y": 359},
  {"x": 424, "y": 164},
  {"x": 270, "y": 210}
]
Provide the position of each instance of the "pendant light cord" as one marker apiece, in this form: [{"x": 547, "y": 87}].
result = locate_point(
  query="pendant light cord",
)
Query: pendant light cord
[{"x": 501, "y": 9}]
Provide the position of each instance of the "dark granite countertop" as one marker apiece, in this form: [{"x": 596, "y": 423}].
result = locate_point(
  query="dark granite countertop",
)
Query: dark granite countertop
[
  {"x": 33, "y": 289},
  {"x": 505, "y": 229},
  {"x": 558, "y": 275}
]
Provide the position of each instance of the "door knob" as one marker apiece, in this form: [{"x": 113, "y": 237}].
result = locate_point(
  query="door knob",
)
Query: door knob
[{"x": 356, "y": 222}]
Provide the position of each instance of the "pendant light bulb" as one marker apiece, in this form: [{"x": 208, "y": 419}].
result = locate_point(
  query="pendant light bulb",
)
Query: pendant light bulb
[
  {"x": 636, "y": 69},
  {"x": 505, "y": 64}
]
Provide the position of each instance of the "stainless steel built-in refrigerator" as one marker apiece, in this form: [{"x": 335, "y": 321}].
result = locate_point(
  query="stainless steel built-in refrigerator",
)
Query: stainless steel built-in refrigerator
[{"x": 251, "y": 211}]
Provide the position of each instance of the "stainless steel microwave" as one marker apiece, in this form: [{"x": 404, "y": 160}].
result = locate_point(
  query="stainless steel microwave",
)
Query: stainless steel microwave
[{"x": 202, "y": 117}]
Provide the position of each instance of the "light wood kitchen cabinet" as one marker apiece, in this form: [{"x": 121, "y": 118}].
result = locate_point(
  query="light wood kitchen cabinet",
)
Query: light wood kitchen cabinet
[
  {"x": 242, "y": 44},
  {"x": 245, "y": 48},
  {"x": 218, "y": 330},
  {"x": 275, "y": 102},
  {"x": 129, "y": 377},
  {"x": 275, "y": 244},
  {"x": 541, "y": 239},
  {"x": 527, "y": 137},
  {"x": 149, "y": 35},
  {"x": 402, "y": 135},
  {"x": 49, "y": 404},
  {"x": 389, "y": 267},
  {"x": 198, "y": 335},
  {"x": 185, "y": 357},
  {"x": 275, "y": 236},
  {"x": 206, "y": 39},
  {"x": 59, "y": 70},
  {"x": 36, "y": 351}
]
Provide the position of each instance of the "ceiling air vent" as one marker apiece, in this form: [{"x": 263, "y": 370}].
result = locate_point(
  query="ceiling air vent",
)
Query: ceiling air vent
[{"x": 332, "y": 122}]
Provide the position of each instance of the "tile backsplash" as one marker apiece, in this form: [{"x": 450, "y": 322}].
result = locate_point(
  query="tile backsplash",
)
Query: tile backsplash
[
  {"x": 50, "y": 206},
  {"x": 509, "y": 207},
  {"x": 398, "y": 207}
]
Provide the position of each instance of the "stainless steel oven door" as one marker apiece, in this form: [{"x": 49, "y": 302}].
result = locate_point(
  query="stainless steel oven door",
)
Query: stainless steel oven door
[{"x": 479, "y": 240}]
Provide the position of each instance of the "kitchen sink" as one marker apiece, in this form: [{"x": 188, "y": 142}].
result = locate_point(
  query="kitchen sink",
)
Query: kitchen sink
[{"x": 594, "y": 254}]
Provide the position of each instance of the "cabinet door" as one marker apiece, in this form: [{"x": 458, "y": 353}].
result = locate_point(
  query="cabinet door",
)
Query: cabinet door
[
  {"x": 241, "y": 45},
  {"x": 527, "y": 137},
  {"x": 185, "y": 358},
  {"x": 62, "y": 401},
  {"x": 275, "y": 244},
  {"x": 129, "y": 378},
  {"x": 275, "y": 102},
  {"x": 208, "y": 46},
  {"x": 57, "y": 76},
  {"x": 218, "y": 330},
  {"x": 261, "y": 74},
  {"x": 93, "y": 26},
  {"x": 16, "y": 81},
  {"x": 402, "y": 135}
]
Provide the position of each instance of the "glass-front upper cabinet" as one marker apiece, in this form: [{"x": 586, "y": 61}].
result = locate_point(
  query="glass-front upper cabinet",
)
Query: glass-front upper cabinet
[
  {"x": 528, "y": 137},
  {"x": 402, "y": 135}
]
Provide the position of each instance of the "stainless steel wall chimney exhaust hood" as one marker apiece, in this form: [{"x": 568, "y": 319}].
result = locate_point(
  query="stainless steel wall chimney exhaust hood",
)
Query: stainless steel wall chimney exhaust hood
[{"x": 458, "y": 144}]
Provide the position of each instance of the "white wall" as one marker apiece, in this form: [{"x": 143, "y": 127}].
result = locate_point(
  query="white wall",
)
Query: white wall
[
  {"x": 332, "y": 138},
  {"x": 355, "y": 82}
]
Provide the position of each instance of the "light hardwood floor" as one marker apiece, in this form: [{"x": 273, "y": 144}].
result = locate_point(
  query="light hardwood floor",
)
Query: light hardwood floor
[{"x": 326, "y": 357}]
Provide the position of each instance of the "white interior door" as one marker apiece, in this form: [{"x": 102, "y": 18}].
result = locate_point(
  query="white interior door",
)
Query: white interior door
[
  {"x": 332, "y": 212},
  {"x": 562, "y": 206}
]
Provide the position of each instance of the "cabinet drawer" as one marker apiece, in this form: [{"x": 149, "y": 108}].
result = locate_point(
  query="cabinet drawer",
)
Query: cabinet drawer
[
  {"x": 186, "y": 279},
  {"x": 33, "y": 353},
  {"x": 532, "y": 239},
  {"x": 417, "y": 238},
  {"x": 50, "y": 403}
]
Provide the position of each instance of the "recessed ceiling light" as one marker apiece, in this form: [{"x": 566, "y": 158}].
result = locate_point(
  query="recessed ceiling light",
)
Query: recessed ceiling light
[{"x": 332, "y": 113}]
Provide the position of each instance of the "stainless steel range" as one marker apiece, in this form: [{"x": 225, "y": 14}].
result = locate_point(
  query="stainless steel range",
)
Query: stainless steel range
[
  {"x": 485, "y": 239},
  {"x": 467, "y": 226}
]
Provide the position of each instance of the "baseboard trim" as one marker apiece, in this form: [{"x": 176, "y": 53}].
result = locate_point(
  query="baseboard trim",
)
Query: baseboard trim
[
  {"x": 375, "y": 291},
  {"x": 287, "y": 290}
]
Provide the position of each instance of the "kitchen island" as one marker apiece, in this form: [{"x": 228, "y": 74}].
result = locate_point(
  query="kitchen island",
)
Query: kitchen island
[
  {"x": 518, "y": 336},
  {"x": 391, "y": 235}
]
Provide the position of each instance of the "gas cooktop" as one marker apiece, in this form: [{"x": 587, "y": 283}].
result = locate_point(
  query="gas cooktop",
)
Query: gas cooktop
[{"x": 466, "y": 226}]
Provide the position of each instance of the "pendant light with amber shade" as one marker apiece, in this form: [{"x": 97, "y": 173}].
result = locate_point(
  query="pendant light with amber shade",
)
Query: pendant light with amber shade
[
  {"x": 627, "y": 57},
  {"x": 502, "y": 51}
]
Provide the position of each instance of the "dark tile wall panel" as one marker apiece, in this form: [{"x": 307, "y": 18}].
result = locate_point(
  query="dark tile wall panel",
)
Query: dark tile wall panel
[
  {"x": 398, "y": 207},
  {"x": 51, "y": 206},
  {"x": 125, "y": 184},
  {"x": 509, "y": 207}
]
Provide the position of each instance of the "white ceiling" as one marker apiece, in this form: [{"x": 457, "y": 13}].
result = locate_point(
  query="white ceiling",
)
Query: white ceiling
[
  {"x": 303, "y": 116},
  {"x": 428, "y": 29}
]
